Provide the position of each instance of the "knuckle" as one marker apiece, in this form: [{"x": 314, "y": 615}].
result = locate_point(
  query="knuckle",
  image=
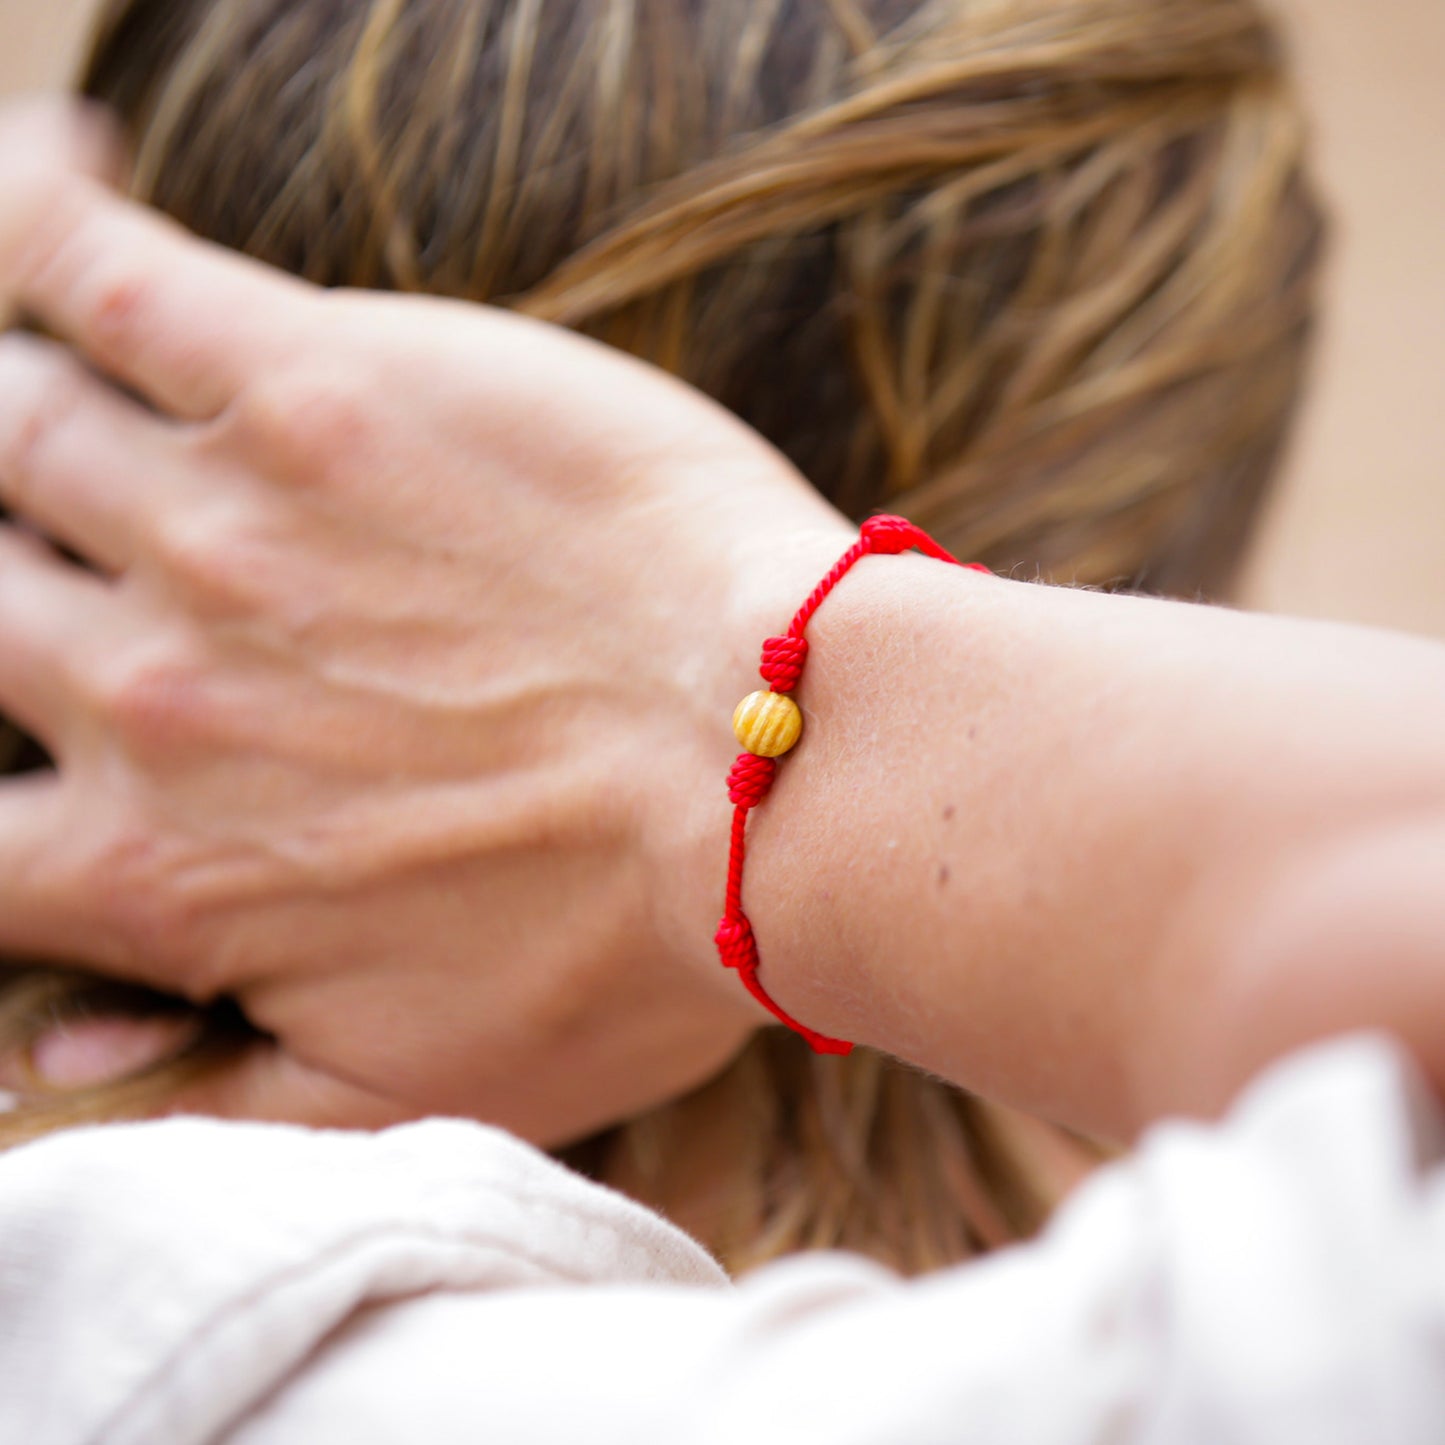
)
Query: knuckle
[
  {"x": 189, "y": 544},
  {"x": 111, "y": 296},
  {"x": 132, "y": 879},
  {"x": 153, "y": 696},
  {"x": 38, "y": 398},
  {"x": 232, "y": 555},
  {"x": 116, "y": 308},
  {"x": 211, "y": 550},
  {"x": 312, "y": 421}
]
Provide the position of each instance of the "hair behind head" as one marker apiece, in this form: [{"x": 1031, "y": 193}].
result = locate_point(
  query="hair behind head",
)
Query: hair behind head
[{"x": 1037, "y": 273}]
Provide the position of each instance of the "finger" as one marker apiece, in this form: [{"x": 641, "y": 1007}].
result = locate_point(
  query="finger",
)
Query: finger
[
  {"x": 39, "y": 916},
  {"x": 185, "y": 323},
  {"x": 51, "y": 615},
  {"x": 61, "y": 135},
  {"x": 78, "y": 460},
  {"x": 65, "y": 133}
]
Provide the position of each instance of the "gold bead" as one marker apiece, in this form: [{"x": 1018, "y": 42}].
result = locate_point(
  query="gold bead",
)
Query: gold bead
[{"x": 767, "y": 723}]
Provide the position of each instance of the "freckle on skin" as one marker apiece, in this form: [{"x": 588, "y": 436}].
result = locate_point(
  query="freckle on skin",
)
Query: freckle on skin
[
  {"x": 972, "y": 732},
  {"x": 948, "y": 813},
  {"x": 943, "y": 875}
]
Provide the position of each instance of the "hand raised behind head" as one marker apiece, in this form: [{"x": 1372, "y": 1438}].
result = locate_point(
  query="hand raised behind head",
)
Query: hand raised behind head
[{"x": 394, "y": 702}]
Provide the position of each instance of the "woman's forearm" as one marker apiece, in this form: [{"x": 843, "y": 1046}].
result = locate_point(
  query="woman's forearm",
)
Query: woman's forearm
[{"x": 1074, "y": 850}]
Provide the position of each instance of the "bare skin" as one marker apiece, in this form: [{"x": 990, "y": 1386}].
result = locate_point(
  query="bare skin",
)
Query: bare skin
[{"x": 397, "y": 710}]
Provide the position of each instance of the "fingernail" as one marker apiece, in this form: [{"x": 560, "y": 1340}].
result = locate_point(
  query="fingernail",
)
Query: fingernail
[{"x": 98, "y": 1051}]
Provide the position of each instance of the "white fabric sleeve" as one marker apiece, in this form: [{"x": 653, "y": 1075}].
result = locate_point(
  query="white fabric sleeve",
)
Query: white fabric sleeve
[{"x": 1278, "y": 1278}]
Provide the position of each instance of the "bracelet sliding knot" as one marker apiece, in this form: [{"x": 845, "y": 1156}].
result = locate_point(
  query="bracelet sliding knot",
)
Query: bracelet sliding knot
[
  {"x": 888, "y": 536},
  {"x": 783, "y": 659},
  {"x": 750, "y": 779},
  {"x": 768, "y": 724},
  {"x": 735, "y": 943}
]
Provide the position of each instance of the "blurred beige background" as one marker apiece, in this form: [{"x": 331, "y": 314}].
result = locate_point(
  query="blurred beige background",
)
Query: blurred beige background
[{"x": 1358, "y": 528}]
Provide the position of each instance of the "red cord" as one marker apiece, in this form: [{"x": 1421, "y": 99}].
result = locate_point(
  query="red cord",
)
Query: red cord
[{"x": 752, "y": 776}]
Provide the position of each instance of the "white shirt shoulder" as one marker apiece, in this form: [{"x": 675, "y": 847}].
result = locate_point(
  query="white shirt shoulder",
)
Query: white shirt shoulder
[{"x": 1279, "y": 1278}]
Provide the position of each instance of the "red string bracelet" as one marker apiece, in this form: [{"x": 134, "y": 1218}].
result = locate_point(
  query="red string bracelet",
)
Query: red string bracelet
[{"x": 767, "y": 724}]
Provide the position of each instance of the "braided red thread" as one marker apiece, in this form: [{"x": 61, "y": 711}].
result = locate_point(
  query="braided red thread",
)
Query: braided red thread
[
  {"x": 835, "y": 575},
  {"x": 751, "y": 777}
]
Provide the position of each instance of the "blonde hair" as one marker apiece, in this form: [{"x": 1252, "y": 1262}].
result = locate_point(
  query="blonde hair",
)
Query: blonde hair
[{"x": 1038, "y": 273}]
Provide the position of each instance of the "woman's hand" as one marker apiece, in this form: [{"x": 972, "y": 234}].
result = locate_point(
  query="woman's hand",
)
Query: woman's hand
[{"x": 395, "y": 705}]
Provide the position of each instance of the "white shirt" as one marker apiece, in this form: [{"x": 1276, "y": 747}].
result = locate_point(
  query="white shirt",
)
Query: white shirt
[{"x": 1278, "y": 1278}]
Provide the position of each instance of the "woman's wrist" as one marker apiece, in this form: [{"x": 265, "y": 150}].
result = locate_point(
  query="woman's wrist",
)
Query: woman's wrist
[
  {"x": 845, "y": 855},
  {"x": 772, "y": 568},
  {"x": 821, "y": 949},
  {"x": 1007, "y": 798}
]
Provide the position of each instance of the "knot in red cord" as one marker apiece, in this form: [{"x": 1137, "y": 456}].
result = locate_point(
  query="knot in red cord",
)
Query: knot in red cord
[
  {"x": 888, "y": 536},
  {"x": 783, "y": 659},
  {"x": 750, "y": 779},
  {"x": 752, "y": 776},
  {"x": 735, "y": 944}
]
